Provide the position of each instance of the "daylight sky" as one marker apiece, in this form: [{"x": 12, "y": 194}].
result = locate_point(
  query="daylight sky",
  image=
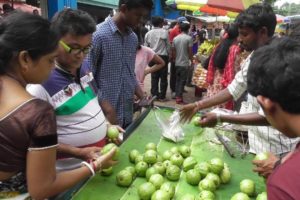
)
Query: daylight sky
[{"x": 279, "y": 3}]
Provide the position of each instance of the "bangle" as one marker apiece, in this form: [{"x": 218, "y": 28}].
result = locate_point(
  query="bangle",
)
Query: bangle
[
  {"x": 219, "y": 121},
  {"x": 94, "y": 166},
  {"x": 89, "y": 166}
]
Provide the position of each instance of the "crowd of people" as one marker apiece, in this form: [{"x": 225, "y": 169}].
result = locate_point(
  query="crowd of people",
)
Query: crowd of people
[{"x": 64, "y": 82}]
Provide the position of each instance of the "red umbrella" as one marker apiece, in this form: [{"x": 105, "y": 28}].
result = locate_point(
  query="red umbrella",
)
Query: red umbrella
[
  {"x": 232, "y": 5},
  {"x": 217, "y": 11}
]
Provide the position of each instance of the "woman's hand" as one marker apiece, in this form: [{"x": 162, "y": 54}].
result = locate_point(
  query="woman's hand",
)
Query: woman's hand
[{"x": 105, "y": 161}]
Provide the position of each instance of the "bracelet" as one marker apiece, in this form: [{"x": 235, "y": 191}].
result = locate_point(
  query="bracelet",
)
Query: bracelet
[
  {"x": 94, "y": 166},
  {"x": 219, "y": 121},
  {"x": 89, "y": 166}
]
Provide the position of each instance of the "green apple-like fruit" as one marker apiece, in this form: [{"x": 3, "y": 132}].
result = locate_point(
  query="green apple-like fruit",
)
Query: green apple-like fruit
[
  {"x": 159, "y": 158},
  {"x": 189, "y": 163},
  {"x": 203, "y": 168},
  {"x": 124, "y": 178},
  {"x": 131, "y": 169},
  {"x": 207, "y": 184},
  {"x": 151, "y": 146},
  {"x": 169, "y": 188},
  {"x": 150, "y": 171},
  {"x": 157, "y": 180},
  {"x": 167, "y": 155},
  {"x": 196, "y": 121},
  {"x": 262, "y": 196},
  {"x": 188, "y": 197},
  {"x": 215, "y": 178},
  {"x": 261, "y": 156},
  {"x": 141, "y": 168},
  {"x": 159, "y": 166},
  {"x": 107, "y": 172},
  {"x": 193, "y": 177},
  {"x": 176, "y": 159},
  {"x": 112, "y": 132},
  {"x": 160, "y": 195},
  {"x": 150, "y": 156},
  {"x": 108, "y": 147},
  {"x": 185, "y": 151},
  {"x": 173, "y": 173},
  {"x": 206, "y": 195},
  {"x": 240, "y": 196},
  {"x": 174, "y": 150},
  {"x": 216, "y": 165},
  {"x": 146, "y": 190},
  {"x": 167, "y": 163},
  {"x": 225, "y": 175},
  {"x": 247, "y": 186},
  {"x": 133, "y": 154},
  {"x": 139, "y": 158}
]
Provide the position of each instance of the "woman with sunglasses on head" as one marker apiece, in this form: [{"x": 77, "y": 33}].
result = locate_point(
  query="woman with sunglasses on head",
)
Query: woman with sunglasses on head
[{"x": 28, "y": 48}]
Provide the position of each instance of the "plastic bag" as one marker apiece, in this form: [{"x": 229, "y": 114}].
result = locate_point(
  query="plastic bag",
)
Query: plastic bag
[{"x": 171, "y": 128}]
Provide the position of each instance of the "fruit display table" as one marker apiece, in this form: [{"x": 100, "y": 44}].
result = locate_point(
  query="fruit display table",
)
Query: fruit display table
[{"x": 203, "y": 148}]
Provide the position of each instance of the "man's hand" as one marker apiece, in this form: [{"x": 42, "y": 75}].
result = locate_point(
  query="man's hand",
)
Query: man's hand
[
  {"x": 187, "y": 112},
  {"x": 118, "y": 140},
  {"x": 208, "y": 120},
  {"x": 265, "y": 167},
  {"x": 89, "y": 153}
]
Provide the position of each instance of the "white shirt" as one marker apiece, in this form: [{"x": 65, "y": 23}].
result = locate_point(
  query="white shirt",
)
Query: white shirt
[
  {"x": 261, "y": 138},
  {"x": 158, "y": 40}
]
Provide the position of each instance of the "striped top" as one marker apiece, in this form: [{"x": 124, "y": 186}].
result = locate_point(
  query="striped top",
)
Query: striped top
[
  {"x": 261, "y": 138},
  {"x": 80, "y": 120}
]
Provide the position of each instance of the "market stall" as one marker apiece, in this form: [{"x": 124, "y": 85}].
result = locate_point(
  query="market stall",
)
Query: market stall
[{"x": 204, "y": 146}]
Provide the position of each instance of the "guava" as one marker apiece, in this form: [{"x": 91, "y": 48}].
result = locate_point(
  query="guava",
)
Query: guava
[
  {"x": 139, "y": 158},
  {"x": 173, "y": 173},
  {"x": 215, "y": 178},
  {"x": 151, "y": 146},
  {"x": 262, "y": 196},
  {"x": 240, "y": 196},
  {"x": 189, "y": 163},
  {"x": 167, "y": 155},
  {"x": 159, "y": 158},
  {"x": 193, "y": 177},
  {"x": 133, "y": 154},
  {"x": 261, "y": 156},
  {"x": 185, "y": 151},
  {"x": 146, "y": 190},
  {"x": 160, "y": 195},
  {"x": 176, "y": 159},
  {"x": 169, "y": 188},
  {"x": 150, "y": 156},
  {"x": 159, "y": 166},
  {"x": 132, "y": 170},
  {"x": 196, "y": 121},
  {"x": 107, "y": 172},
  {"x": 157, "y": 180},
  {"x": 141, "y": 168},
  {"x": 167, "y": 163},
  {"x": 247, "y": 186},
  {"x": 174, "y": 150},
  {"x": 150, "y": 171},
  {"x": 225, "y": 175},
  {"x": 124, "y": 178},
  {"x": 112, "y": 132},
  {"x": 108, "y": 147},
  {"x": 203, "y": 168},
  {"x": 207, "y": 184},
  {"x": 216, "y": 165},
  {"x": 206, "y": 195}
]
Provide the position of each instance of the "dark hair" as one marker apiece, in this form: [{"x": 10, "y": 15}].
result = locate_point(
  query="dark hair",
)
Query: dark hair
[
  {"x": 222, "y": 50},
  {"x": 257, "y": 16},
  {"x": 274, "y": 72},
  {"x": 75, "y": 22},
  {"x": 184, "y": 27},
  {"x": 22, "y": 31},
  {"x": 157, "y": 21},
  {"x": 148, "y": 4},
  {"x": 7, "y": 8}
]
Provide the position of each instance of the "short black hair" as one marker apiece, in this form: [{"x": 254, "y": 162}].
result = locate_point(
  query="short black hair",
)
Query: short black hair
[
  {"x": 274, "y": 73},
  {"x": 22, "y": 31},
  {"x": 157, "y": 21},
  {"x": 257, "y": 16},
  {"x": 148, "y": 4},
  {"x": 184, "y": 27},
  {"x": 74, "y": 22}
]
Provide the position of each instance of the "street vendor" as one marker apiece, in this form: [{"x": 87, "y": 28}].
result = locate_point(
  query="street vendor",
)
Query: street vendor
[
  {"x": 274, "y": 79},
  {"x": 256, "y": 28}
]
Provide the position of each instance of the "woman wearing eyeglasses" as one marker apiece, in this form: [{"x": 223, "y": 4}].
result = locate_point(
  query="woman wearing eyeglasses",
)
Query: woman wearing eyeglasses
[
  {"x": 28, "y": 138},
  {"x": 70, "y": 89}
]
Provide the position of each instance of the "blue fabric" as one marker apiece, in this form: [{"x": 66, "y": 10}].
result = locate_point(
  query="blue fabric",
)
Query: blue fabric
[{"x": 112, "y": 60}]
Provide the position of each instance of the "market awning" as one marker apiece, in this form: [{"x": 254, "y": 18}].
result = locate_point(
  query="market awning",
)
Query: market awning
[{"x": 101, "y": 3}]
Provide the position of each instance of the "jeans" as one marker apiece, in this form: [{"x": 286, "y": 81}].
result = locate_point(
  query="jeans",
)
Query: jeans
[
  {"x": 162, "y": 76},
  {"x": 181, "y": 75},
  {"x": 173, "y": 77}
]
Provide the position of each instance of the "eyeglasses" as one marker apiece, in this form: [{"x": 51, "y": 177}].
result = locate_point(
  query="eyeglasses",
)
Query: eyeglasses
[{"x": 74, "y": 51}]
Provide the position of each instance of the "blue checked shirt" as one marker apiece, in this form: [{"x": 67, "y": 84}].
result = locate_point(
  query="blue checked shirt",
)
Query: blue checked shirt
[{"x": 112, "y": 60}]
